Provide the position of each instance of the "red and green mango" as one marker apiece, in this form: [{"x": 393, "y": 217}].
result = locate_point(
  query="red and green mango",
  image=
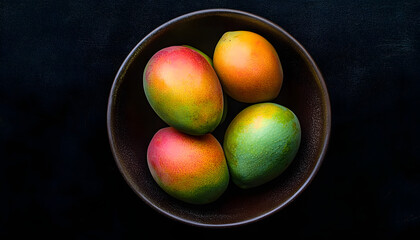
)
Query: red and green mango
[{"x": 184, "y": 90}]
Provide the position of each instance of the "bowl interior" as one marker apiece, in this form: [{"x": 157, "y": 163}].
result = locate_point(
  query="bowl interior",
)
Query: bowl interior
[{"x": 132, "y": 122}]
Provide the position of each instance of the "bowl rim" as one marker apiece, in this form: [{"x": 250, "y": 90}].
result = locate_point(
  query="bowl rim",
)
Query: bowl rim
[{"x": 325, "y": 96}]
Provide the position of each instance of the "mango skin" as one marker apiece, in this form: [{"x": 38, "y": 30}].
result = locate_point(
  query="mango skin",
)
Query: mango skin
[
  {"x": 190, "y": 168},
  {"x": 184, "y": 90},
  {"x": 260, "y": 143},
  {"x": 201, "y": 53},
  {"x": 248, "y": 67},
  {"x": 225, "y": 104}
]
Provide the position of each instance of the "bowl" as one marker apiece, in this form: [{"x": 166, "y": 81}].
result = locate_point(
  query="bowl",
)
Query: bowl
[{"x": 131, "y": 121}]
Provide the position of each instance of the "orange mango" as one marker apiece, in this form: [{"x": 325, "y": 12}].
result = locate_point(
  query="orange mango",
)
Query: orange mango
[{"x": 248, "y": 67}]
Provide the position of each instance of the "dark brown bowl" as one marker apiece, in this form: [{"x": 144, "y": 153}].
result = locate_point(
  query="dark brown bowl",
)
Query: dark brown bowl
[{"x": 132, "y": 122}]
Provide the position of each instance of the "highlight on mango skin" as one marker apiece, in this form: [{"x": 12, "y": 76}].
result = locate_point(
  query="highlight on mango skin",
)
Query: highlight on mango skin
[{"x": 190, "y": 168}]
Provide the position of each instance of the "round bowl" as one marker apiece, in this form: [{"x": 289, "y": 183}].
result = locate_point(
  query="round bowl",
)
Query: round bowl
[{"x": 132, "y": 122}]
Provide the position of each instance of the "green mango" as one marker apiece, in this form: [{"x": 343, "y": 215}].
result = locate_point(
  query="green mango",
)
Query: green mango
[{"x": 260, "y": 143}]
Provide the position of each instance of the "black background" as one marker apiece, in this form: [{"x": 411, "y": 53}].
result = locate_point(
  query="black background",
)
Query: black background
[{"x": 58, "y": 60}]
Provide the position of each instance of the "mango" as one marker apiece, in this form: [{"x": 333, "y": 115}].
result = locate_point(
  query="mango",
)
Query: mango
[
  {"x": 260, "y": 143},
  {"x": 184, "y": 90},
  {"x": 190, "y": 168},
  {"x": 248, "y": 67}
]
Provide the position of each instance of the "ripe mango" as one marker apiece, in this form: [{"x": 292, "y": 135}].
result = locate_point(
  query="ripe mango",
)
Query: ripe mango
[
  {"x": 190, "y": 168},
  {"x": 248, "y": 67},
  {"x": 184, "y": 90},
  {"x": 260, "y": 143}
]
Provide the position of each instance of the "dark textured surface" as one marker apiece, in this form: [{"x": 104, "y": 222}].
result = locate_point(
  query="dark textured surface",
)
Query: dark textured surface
[{"x": 57, "y": 63}]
